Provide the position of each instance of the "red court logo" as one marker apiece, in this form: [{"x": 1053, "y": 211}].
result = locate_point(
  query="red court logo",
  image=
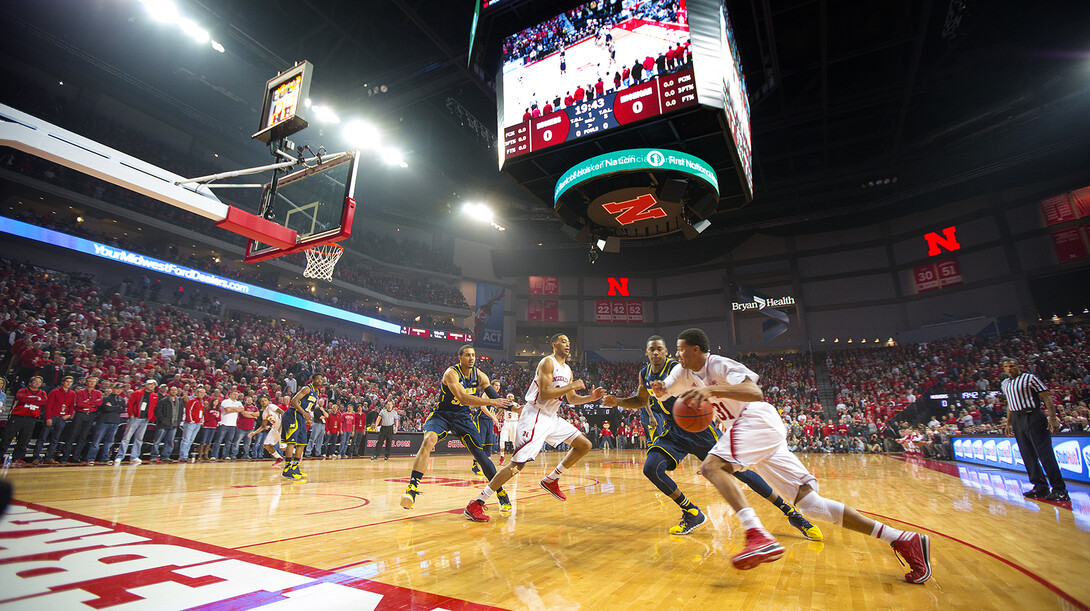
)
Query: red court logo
[{"x": 634, "y": 210}]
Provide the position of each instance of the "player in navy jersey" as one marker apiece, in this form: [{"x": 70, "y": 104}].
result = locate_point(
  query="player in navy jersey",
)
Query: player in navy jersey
[
  {"x": 459, "y": 391},
  {"x": 672, "y": 443},
  {"x": 294, "y": 423}
]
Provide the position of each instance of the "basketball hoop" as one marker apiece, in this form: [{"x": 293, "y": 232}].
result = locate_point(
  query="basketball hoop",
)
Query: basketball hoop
[{"x": 321, "y": 260}]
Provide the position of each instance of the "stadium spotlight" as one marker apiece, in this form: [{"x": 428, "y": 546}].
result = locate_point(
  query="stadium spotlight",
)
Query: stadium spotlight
[
  {"x": 478, "y": 212},
  {"x": 193, "y": 30},
  {"x": 392, "y": 156},
  {"x": 361, "y": 135},
  {"x": 162, "y": 10},
  {"x": 218, "y": 47},
  {"x": 325, "y": 114}
]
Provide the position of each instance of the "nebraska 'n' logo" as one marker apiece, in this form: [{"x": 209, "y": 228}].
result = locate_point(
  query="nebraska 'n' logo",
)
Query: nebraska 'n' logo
[
  {"x": 947, "y": 240},
  {"x": 640, "y": 209}
]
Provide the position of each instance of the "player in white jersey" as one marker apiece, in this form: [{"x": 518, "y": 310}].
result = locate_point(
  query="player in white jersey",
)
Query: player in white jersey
[
  {"x": 270, "y": 415},
  {"x": 539, "y": 423},
  {"x": 755, "y": 438},
  {"x": 510, "y": 425}
]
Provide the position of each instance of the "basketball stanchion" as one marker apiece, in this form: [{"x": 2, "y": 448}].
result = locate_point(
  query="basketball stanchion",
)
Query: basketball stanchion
[{"x": 321, "y": 260}]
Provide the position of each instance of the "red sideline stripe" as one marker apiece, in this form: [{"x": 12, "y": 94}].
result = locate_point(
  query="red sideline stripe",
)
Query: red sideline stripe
[{"x": 1041, "y": 580}]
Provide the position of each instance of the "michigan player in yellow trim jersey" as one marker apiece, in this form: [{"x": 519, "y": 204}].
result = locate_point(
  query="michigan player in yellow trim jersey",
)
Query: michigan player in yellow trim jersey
[
  {"x": 294, "y": 423},
  {"x": 459, "y": 390},
  {"x": 672, "y": 443}
]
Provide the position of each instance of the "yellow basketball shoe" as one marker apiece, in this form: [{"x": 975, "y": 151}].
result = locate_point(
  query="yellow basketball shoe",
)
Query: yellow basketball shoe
[
  {"x": 808, "y": 530},
  {"x": 408, "y": 500}
]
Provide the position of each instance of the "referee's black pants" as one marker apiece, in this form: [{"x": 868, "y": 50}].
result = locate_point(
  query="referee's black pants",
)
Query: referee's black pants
[
  {"x": 1035, "y": 443},
  {"x": 385, "y": 434}
]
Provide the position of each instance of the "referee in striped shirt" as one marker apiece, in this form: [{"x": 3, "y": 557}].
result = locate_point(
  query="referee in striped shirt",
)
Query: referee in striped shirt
[{"x": 1025, "y": 393}]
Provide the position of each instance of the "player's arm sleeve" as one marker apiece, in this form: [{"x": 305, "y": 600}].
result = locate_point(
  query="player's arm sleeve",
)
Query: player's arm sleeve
[
  {"x": 491, "y": 392},
  {"x": 676, "y": 383}
]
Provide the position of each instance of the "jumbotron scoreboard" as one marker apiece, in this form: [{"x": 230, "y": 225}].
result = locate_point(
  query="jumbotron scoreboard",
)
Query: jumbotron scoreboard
[
  {"x": 629, "y": 118},
  {"x": 630, "y": 105}
]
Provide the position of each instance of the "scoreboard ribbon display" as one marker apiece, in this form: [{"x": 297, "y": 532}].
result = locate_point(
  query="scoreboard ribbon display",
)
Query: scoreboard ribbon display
[
  {"x": 636, "y": 159},
  {"x": 636, "y": 103}
]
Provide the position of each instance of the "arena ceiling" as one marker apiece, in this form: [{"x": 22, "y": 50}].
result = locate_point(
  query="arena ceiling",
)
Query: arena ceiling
[{"x": 862, "y": 111}]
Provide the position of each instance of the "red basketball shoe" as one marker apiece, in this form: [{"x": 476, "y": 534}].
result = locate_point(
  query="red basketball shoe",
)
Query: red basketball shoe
[
  {"x": 760, "y": 548},
  {"x": 916, "y": 551},
  {"x": 475, "y": 511},
  {"x": 554, "y": 488}
]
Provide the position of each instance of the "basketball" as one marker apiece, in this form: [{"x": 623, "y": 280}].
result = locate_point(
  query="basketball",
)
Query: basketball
[{"x": 693, "y": 418}]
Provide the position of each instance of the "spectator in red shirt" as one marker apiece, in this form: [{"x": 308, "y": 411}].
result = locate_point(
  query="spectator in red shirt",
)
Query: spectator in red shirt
[
  {"x": 842, "y": 430},
  {"x": 88, "y": 400},
  {"x": 828, "y": 429},
  {"x": 191, "y": 423},
  {"x": 349, "y": 430},
  {"x": 246, "y": 419},
  {"x": 548, "y": 108},
  {"x": 599, "y": 87},
  {"x": 28, "y": 406},
  {"x": 208, "y": 427},
  {"x": 359, "y": 448},
  {"x": 141, "y": 410},
  {"x": 60, "y": 406},
  {"x": 334, "y": 425}
]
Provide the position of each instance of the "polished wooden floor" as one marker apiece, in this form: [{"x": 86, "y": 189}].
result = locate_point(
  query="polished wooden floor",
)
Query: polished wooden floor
[{"x": 606, "y": 547}]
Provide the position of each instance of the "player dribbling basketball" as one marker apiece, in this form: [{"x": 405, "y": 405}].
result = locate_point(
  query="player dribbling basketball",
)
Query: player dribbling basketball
[
  {"x": 672, "y": 444},
  {"x": 755, "y": 438}
]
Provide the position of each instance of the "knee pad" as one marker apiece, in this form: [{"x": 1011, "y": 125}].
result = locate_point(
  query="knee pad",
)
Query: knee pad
[{"x": 819, "y": 509}]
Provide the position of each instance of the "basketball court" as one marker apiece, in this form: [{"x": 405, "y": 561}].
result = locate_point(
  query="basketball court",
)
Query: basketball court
[{"x": 342, "y": 535}]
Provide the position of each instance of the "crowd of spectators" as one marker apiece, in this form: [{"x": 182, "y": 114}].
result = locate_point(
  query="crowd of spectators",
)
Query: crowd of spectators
[{"x": 56, "y": 325}]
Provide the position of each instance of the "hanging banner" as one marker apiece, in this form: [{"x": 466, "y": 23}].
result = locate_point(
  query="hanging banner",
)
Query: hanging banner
[
  {"x": 488, "y": 319},
  {"x": 551, "y": 310},
  {"x": 551, "y": 285}
]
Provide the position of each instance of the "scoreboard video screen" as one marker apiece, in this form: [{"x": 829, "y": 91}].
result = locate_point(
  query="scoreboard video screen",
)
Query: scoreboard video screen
[{"x": 595, "y": 67}]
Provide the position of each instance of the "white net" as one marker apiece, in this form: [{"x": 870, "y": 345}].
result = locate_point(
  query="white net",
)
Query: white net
[{"x": 321, "y": 260}]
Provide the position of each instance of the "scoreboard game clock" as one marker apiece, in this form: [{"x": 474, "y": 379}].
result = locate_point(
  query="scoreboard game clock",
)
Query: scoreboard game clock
[{"x": 284, "y": 109}]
